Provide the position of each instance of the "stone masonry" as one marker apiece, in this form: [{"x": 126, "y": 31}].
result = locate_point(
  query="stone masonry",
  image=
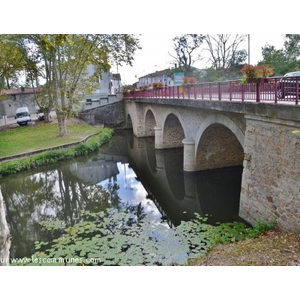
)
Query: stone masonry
[
  {"x": 271, "y": 176},
  {"x": 216, "y": 134}
]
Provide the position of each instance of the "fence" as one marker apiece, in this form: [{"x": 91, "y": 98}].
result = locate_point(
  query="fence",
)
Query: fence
[{"x": 272, "y": 90}]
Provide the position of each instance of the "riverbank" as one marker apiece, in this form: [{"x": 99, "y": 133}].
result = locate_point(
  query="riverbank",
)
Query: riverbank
[
  {"x": 27, "y": 140},
  {"x": 271, "y": 248},
  {"x": 59, "y": 150}
]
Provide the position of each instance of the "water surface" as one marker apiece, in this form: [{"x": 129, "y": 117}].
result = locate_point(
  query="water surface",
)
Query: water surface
[{"x": 128, "y": 171}]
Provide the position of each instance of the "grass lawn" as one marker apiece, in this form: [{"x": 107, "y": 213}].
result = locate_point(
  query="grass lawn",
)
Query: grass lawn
[{"x": 44, "y": 135}]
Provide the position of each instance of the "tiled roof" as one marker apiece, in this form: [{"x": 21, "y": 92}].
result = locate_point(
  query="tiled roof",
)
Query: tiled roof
[
  {"x": 20, "y": 91},
  {"x": 157, "y": 73}
]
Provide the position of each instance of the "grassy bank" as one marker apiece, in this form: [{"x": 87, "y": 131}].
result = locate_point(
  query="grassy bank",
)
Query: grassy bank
[
  {"x": 53, "y": 156},
  {"x": 30, "y": 138},
  {"x": 271, "y": 248}
]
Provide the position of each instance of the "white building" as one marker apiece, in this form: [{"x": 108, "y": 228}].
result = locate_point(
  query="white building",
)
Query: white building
[
  {"x": 109, "y": 84},
  {"x": 156, "y": 77}
]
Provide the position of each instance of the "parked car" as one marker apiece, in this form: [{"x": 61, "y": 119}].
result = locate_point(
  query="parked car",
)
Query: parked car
[
  {"x": 40, "y": 114},
  {"x": 288, "y": 84}
]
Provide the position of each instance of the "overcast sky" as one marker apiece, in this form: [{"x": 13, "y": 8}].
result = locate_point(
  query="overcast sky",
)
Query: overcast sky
[{"x": 154, "y": 54}]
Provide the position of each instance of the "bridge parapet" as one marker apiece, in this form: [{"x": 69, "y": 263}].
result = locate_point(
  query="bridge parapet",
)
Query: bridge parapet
[{"x": 262, "y": 90}]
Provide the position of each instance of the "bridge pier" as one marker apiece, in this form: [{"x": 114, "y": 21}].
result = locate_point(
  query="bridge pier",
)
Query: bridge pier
[
  {"x": 159, "y": 139},
  {"x": 189, "y": 159}
]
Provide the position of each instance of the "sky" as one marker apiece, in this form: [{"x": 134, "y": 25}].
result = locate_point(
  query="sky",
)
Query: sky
[{"x": 156, "y": 50}]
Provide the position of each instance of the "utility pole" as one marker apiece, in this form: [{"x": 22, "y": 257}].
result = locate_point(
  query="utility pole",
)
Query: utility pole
[{"x": 248, "y": 49}]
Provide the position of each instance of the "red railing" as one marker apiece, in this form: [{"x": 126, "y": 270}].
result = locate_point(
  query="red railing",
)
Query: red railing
[{"x": 264, "y": 90}]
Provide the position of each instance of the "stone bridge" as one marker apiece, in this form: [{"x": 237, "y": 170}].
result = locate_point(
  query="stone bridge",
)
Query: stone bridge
[{"x": 219, "y": 134}]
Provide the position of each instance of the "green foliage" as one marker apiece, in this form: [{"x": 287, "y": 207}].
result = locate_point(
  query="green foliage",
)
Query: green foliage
[
  {"x": 69, "y": 64},
  {"x": 53, "y": 156},
  {"x": 12, "y": 61},
  {"x": 260, "y": 227},
  {"x": 230, "y": 232},
  {"x": 129, "y": 237},
  {"x": 286, "y": 59}
]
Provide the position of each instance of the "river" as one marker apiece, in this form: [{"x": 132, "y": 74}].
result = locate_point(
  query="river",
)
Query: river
[{"x": 128, "y": 171}]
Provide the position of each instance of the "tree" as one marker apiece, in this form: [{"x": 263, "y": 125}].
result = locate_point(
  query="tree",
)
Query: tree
[
  {"x": 185, "y": 46},
  {"x": 12, "y": 60},
  {"x": 287, "y": 58},
  {"x": 63, "y": 61},
  {"x": 292, "y": 46},
  {"x": 224, "y": 50},
  {"x": 275, "y": 58}
]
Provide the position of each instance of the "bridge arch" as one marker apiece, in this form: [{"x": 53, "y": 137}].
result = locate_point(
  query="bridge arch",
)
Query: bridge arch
[
  {"x": 219, "y": 143},
  {"x": 173, "y": 130}
]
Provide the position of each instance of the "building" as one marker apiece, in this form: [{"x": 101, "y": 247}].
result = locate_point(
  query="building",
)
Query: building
[
  {"x": 156, "y": 77},
  {"x": 17, "y": 98},
  {"x": 162, "y": 77},
  {"x": 116, "y": 83},
  {"x": 108, "y": 84}
]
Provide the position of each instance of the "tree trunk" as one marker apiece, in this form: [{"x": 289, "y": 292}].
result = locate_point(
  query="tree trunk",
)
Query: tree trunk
[
  {"x": 47, "y": 114},
  {"x": 62, "y": 124},
  {"x": 4, "y": 236}
]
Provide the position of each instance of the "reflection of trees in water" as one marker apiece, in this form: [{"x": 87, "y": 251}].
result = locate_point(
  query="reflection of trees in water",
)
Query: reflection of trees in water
[
  {"x": 50, "y": 195},
  {"x": 4, "y": 235}
]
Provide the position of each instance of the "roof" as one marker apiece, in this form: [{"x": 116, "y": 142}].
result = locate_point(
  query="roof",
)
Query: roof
[
  {"x": 20, "y": 91},
  {"x": 157, "y": 73}
]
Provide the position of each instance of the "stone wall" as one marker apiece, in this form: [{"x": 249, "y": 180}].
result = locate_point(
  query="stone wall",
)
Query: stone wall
[
  {"x": 271, "y": 176},
  {"x": 10, "y": 104},
  {"x": 111, "y": 115}
]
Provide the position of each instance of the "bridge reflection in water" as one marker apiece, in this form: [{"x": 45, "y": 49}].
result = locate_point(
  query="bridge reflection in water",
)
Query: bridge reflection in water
[
  {"x": 176, "y": 194},
  {"x": 180, "y": 194},
  {"x": 129, "y": 171}
]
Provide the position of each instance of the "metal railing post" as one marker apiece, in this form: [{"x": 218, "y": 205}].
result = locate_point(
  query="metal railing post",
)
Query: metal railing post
[
  {"x": 275, "y": 91},
  {"x": 297, "y": 90},
  {"x": 258, "y": 92},
  {"x": 243, "y": 92}
]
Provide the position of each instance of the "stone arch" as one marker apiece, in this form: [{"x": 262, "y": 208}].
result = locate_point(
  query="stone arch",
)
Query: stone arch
[
  {"x": 219, "y": 143},
  {"x": 150, "y": 123},
  {"x": 173, "y": 131}
]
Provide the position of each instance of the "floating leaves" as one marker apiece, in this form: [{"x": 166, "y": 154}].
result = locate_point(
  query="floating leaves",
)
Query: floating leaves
[{"x": 130, "y": 238}]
